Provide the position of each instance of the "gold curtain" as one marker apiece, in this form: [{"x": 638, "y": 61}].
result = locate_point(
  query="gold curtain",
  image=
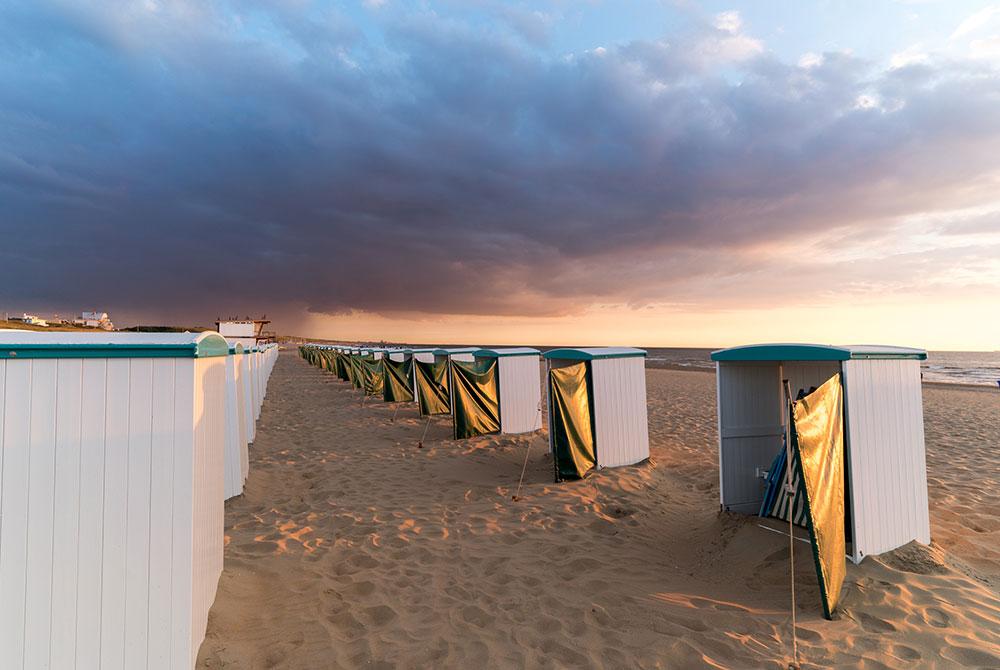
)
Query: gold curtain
[
  {"x": 432, "y": 387},
  {"x": 819, "y": 441},
  {"x": 573, "y": 448},
  {"x": 476, "y": 392}
]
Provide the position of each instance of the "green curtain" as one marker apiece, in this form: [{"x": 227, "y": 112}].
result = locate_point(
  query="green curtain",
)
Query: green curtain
[
  {"x": 476, "y": 396},
  {"x": 357, "y": 376},
  {"x": 397, "y": 386},
  {"x": 818, "y": 440},
  {"x": 373, "y": 381},
  {"x": 573, "y": 449},
  {"x": 342, "y": 366},
  {"x": 432, "y": 387}
]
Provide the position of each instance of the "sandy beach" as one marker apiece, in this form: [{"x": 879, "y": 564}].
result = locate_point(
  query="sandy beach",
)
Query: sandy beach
[{"x": 352, "y": 548}]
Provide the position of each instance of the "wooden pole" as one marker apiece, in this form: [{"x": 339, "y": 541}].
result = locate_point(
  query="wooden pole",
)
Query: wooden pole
[{"x": 790, "y": 492}]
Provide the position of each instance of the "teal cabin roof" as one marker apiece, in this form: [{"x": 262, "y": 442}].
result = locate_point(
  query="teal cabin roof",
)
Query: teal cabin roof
[
  {"x": 23, "y": 344},
  {"x": 815, "y": 352},
  {"x": 503, "y": 353},
  {"x": 593, "y": 353}
]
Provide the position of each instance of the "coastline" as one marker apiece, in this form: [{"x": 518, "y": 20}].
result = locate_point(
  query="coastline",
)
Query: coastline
[{"x": 980, "y": 388}]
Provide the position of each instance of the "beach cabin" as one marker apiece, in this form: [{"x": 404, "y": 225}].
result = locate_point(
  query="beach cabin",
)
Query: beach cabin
[
  {"x": 520, "y": 390},
  {"x": 597, "y": 409},
  {"x": 249, "y": 395},
  {"x": 886, "y": 477},
  {"x": 111, "y": 497},
  {"x": 237, "y": 457}
]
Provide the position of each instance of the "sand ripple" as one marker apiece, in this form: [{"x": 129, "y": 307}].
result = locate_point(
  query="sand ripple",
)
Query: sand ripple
[{"x": 353, "y": 548}]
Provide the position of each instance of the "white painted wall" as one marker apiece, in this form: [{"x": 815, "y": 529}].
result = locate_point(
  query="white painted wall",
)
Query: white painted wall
[
  {"x": 520, "y": 394},
  {"x": 249, "y": 397},
  {"x": 237, "y": 329},
  {"x": 234, "y": 448},
  {"x": 241, "y": 407},
  {"x": 620, "y": 420},
  {"x": 888, "y": 467},
  {"x": 111, "y": 507}
]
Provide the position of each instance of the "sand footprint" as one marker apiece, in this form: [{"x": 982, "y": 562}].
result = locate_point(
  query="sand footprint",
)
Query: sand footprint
[
  {"x": 476, "y": 616},
  {"x": 936, "y": 617}
]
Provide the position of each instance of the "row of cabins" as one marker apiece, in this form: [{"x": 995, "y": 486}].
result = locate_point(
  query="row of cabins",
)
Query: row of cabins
[
  {"x": 886, "y": 480},
  {"x": 117, "y": 451},
  {"x": 611, "y": 382}
]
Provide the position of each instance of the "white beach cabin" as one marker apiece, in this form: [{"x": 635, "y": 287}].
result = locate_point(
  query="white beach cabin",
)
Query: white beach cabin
[
  {"x": 249, "y": 395},
  {"x": 520, "y": 389},
  {"x": 237, "y": 458},
  {"x": 886, "y": 474},
  {"x": 111, "y": 497},
  {"x": 616, "y": 385}
]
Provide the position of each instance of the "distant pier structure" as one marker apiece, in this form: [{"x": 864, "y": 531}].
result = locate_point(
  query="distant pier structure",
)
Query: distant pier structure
[{"x": 246, "y": 331}]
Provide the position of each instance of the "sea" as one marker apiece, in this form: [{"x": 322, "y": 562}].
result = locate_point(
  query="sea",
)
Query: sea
[{"x": 979, "y": 368}]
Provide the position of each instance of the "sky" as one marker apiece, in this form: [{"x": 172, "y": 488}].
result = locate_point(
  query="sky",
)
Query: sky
[{"x": 640, "y": 172}]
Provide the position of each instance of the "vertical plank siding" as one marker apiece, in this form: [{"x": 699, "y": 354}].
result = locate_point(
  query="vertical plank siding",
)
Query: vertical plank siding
[
  {"x": 66, "y": 527},
  {"x": 207, "y": 498},
  {"x": 248, "y": 396},
  {"x": 888, "y": 467},
  {"x": 620, "y": 419},
  {"x": 112, "y": 481},
  {"x": 520, "y": 394},
  {"x": 14, "y": 512},
  {"x": 235, "y": 448}
]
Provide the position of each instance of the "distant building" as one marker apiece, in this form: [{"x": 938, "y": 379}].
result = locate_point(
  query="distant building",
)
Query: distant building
[
  {"x": 94, "y": 320},
  {"x": 248, "y": 332},
  {"x": 33, "y": 320}
]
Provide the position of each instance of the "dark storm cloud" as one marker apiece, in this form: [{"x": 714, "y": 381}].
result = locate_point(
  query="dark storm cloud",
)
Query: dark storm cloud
[{"x": 220, "y": 157}]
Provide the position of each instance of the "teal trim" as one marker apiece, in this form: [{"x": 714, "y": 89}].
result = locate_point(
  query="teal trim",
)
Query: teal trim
[
  {"x": 815, "y": 352},
  {"x": 212, "y": 344},
  {"x": 504, "y": 353},
  {"x": 593, "y": 354}
]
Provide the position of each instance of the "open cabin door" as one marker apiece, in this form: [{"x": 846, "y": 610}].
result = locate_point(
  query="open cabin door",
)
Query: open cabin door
[
  {"x": 750, "y": 431},
  {"x": 751, "y": 423}
]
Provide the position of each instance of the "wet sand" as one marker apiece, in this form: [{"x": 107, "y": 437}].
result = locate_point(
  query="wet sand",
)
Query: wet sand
[{"x": 353, "y": 548}]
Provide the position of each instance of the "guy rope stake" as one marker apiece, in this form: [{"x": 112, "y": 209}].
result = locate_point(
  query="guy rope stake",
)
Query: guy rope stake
[
  {"x": 393, "y": 420},
  {"x": 420, "y": 444},
  {"x": 790, "y": 491},
  {"x": 524, "y": 467}
]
